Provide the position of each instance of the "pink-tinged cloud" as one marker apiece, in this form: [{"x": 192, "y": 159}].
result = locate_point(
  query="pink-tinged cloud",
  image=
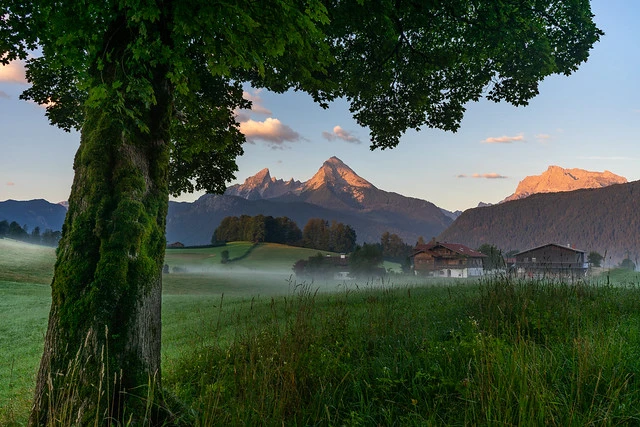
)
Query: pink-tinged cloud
[
  {"x": 4, "y": 95},
  {"x": 543, "y": 136},
  {"x": 339, "y": 133},
  {"x": 13, "y": 73},
  {"x": 271, "y": 130},
  {"x": 11, "y": 184},
  {"x": 503, "y": 139},
  {"x": 491, "y": 175},
  {"x": 256, "y": 102}
]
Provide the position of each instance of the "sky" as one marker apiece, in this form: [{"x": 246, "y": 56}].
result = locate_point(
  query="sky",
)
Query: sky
[{"x": 589, "y": 120}]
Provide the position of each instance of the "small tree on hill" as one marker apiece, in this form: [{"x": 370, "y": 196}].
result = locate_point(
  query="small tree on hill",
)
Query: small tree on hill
[{"x": 16, "y": 232}]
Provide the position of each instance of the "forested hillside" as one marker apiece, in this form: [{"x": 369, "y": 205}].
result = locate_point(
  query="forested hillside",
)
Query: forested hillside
[{"x": 602, "y": 220}]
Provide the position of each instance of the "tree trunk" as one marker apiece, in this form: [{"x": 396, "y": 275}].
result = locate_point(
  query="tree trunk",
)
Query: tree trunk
[{"x": 101, "y": 361}]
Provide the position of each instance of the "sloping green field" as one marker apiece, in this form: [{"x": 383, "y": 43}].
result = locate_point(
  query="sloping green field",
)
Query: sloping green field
[
  {"x": 243, "y": 256},
  {"x": 25, "y": 263}
]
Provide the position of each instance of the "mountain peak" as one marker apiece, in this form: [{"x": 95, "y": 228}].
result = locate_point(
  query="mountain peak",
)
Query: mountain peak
[
  {"x": 263, "y": 186},
  {"x": 335, "y": 173},
  {"x": 556, "y": 179},
  {"x": 260, "y": 177}
]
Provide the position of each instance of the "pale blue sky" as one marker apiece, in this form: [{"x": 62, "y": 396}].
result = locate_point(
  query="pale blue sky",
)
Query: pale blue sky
[{"x": 589, "y": 120}]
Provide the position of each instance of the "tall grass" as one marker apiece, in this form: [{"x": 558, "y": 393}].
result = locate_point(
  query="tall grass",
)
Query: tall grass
[{"x": 504, "y": 352}]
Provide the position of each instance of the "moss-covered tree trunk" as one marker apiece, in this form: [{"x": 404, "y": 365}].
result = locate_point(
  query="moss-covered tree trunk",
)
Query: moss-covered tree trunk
[{"x": 101, "y": 357}]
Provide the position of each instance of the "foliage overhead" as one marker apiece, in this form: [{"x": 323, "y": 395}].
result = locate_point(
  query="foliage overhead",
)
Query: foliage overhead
[{"x": 424, "y": 61}]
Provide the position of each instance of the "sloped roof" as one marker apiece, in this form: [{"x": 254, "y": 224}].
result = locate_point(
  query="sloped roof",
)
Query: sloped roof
[
  {"x": 455, "y": 247},
  {"x": 551, "y": 244}
]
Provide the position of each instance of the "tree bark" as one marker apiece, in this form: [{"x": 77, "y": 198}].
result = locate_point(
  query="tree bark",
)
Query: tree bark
[{"x": 101, "y": 360}]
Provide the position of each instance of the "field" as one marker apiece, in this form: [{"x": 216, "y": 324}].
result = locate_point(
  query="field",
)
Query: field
[{"x": 245, "y": 343}]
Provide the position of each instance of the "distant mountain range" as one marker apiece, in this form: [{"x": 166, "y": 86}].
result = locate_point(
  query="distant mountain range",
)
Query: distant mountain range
[
  {"x": 335, "y": 192},
  {"x": 33, "y": 213},
  {"x": 605, "y": 220},
  {"x": 556, "y": 179}
]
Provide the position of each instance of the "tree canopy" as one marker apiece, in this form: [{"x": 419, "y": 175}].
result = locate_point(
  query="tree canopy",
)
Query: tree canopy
[{"x": 423, "y": 61}]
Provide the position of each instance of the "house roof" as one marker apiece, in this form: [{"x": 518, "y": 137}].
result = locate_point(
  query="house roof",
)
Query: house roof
[
  {"x": 551, "y": 244},
  {"x": 455, "y": 247}
]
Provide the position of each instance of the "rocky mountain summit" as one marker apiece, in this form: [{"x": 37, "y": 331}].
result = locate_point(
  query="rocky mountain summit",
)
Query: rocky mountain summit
[
  {"x": 333, "y": 173},
  {"x": 556, "y": 179},
  {"x": 263, "y": 186}
]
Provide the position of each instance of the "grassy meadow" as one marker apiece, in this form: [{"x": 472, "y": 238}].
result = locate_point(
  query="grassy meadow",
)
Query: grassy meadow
[{"x": 244, "y": 343}]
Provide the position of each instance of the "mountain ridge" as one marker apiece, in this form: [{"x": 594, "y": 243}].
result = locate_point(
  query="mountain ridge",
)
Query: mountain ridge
[
  {"x": 33, "y": 213},
  {"x": 557, "y": 179}
]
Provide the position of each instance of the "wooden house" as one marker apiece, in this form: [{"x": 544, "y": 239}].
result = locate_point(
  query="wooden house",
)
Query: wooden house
[
  {"x": 441, "y": 259},
  {"x": 551, "y": 261}
]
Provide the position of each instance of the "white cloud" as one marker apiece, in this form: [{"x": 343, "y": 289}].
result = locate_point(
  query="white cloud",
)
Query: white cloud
[
  {"x": 271, "y": 130},
  {"x": 339, "y": 133},
  {"x": 543, "y": 136},
  {"x": 503, "y": 139},
  {"x": 491, "y": 175},
  {"x": 13, "y": 73}
]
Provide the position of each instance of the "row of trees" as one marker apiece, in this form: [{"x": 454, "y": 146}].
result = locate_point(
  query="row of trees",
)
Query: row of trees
[
  {"x": 318, "y": 233},
  {"x": 13, "y": 230},
  {"x": 334, "y": 237},
  {"x": 257, "y": 229}
]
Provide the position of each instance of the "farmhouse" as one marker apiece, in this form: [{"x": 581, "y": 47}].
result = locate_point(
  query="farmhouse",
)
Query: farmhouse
[
  {"x": 551, "y": 261},
  {"x": 441, "y": 259}
]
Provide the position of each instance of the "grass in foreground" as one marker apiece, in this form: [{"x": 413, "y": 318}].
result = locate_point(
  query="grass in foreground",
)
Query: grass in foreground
[{"x": 499, "y": 353}]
